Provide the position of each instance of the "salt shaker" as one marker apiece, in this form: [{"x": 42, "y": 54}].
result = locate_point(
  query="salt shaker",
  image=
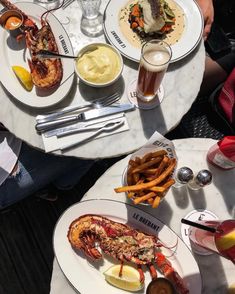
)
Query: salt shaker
[
  {"x": 182, "y": 176},
  {"x": 203, "y": 178}
]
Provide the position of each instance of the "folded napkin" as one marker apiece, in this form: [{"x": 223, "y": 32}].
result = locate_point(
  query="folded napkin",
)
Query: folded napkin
[{"x": 54, "y": 143}]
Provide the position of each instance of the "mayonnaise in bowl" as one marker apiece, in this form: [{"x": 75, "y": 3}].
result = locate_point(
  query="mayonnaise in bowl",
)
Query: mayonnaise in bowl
[{"x": 99, "y": 64}]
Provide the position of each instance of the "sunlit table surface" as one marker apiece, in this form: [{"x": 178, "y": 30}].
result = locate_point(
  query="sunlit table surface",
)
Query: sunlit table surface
[
  {"x": 217, "y": 273},
  {"x": 181, "y": 84}
]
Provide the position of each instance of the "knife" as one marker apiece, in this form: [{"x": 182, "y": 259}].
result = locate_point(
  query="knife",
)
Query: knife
[
  {"x": 83, "y": 126},
  {"x": 84, "y": 116}
]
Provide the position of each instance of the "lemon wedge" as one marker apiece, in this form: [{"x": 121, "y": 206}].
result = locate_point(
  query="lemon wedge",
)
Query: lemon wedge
[
  {"x": 227, "y": 241},
  {"x": 24, "y": 76},
  {"x": 129, "y": 281}
]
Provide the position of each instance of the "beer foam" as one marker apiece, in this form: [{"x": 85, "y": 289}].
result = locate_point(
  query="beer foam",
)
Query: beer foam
[{"x": 155, "y": 61}]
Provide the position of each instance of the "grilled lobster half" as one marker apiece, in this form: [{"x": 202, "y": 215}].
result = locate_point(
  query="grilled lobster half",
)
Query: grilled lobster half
[
  {"x": 122, "y": 242},
  {"x": 46, "y": 73}
]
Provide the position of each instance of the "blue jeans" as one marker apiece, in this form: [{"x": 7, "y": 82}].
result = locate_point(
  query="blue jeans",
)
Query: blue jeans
[{"x": 36, "y": 170}]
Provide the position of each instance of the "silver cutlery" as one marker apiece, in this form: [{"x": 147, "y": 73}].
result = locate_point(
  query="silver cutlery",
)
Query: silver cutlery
[
  {"x": 91, "y": 128},
  {"x": 98, "y": 103},
  {"x": 67, "y": 3},
  {"x": 50, "y": 54},
  {"x": 109, "y": 127},
  {"x": 84, "y": 116},
  {"x": 83, "y": 125}
]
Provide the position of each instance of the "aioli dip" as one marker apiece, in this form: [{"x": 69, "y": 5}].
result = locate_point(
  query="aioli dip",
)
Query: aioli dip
[
  {"x": 12, "y": 23},
  {"x": 99, "y": 65}
]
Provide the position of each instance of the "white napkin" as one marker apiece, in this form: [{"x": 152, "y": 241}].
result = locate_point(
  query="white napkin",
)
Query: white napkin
[{"x": 53, "y": 143}]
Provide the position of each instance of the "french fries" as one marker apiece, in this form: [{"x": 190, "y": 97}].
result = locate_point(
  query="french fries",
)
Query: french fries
[{"x": 149, "y": 178}]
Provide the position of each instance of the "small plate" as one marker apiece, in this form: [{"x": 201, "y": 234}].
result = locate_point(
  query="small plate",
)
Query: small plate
[{"x": 196, "y": 215}]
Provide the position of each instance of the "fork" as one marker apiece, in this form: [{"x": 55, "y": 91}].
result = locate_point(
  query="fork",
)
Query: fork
[
  {"x": 108, "y": 127},
  {"x": 67, "y": 3},
  {"x": 98, "y": 103}
]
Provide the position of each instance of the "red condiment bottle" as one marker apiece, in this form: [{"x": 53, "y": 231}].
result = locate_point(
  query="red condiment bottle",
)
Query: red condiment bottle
[{"x": 222, "y": 154}]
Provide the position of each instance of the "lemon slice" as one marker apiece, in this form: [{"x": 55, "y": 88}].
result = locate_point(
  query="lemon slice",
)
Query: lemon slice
[
  {"x": 227, "y": 241},
  {"x": 24, "y": 76},
  {"x": 129, "y": 281}
]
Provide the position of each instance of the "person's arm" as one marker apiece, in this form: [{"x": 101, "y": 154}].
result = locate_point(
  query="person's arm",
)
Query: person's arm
[{"x": 207, "y": 9}]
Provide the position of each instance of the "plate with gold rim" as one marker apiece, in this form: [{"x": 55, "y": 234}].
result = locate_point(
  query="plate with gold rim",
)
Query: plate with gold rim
[
  {"x": 80, "y": 271},
  {"x": 184, "y": 38},
  {"x": 15, "y": 53}
]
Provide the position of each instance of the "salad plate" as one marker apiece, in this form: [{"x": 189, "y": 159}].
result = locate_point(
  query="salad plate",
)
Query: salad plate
[
  {"x": 80, "y": 271},
  {"x": 15, "y": 53},
  {"x": 184, "y": 38}
]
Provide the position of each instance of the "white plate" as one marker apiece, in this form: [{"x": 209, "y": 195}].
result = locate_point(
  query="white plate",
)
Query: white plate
[
  {"x": 187, "y": 43},
  {"x": 84, "y": 275},
  {"x": 13, "y": 53}
]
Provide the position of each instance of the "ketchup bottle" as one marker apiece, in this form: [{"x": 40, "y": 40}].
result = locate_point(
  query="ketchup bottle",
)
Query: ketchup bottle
[{"x": 222, "y": 154}]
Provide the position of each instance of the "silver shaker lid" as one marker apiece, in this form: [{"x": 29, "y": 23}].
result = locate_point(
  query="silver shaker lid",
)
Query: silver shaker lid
[
  {"x": 204, "y": 177},
  {"x": 184, "y": 175}
]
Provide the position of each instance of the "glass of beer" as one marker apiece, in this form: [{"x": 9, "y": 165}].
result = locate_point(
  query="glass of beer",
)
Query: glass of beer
[{"x": 154, "y": 61}]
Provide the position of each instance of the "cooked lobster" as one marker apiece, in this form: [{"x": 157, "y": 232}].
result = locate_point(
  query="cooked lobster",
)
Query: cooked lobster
[
  {"x": 46, "y": 73},
  {"x": 122, "y": 242}
]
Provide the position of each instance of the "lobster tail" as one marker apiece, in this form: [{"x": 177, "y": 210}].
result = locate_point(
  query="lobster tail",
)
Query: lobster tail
[{"x": 169, "y": 272}]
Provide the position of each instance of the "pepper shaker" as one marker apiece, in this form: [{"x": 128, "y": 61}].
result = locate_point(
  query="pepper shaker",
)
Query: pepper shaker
[
  {"x": 203, "y": 178},
  {"x": 182, "y": 176}
]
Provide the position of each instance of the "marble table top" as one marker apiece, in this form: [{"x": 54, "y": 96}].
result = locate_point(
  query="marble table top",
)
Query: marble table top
[
  {"x": 181, "y": 84},
  {"x": 217, "y": 273}
]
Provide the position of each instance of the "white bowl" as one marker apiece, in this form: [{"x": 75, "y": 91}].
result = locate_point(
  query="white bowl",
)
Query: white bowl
[{"x": 88, "y": 50}]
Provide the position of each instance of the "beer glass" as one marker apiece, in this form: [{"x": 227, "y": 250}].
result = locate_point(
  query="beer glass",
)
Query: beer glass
[
  {"x": 222, "y": 241},
  {"x": 155, "y": 58}
]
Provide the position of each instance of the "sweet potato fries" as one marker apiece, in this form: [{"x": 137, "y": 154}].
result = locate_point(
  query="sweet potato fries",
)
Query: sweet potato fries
[{"x": 148, "y": 178}]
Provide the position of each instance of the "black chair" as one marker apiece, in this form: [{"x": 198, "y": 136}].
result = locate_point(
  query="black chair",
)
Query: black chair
[{"x": 201, "y": 121}]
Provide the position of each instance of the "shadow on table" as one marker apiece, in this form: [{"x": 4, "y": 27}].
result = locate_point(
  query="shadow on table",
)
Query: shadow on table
[
  {"x": 183, "y": 194},
  {"x": 90, "y": 93},
  {"x": 212, "y": 273},
  {"x": 224, "y": 182},
  {"x": 152, "y": 120}
]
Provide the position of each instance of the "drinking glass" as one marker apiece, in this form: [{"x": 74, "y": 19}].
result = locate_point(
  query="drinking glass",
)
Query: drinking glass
[
  {"x": 49, "y": 4},
  {"x": 222, "y": 241},
  {"x": 92, "y": 19},
  {"x": 154, "y": 61}
]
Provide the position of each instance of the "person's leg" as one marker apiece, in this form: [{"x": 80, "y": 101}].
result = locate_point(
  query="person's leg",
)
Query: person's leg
[
  {"x": 36, "y": 170},
  {"x": 213, "y": 76},
  {"x": 216, "y": 72}
]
